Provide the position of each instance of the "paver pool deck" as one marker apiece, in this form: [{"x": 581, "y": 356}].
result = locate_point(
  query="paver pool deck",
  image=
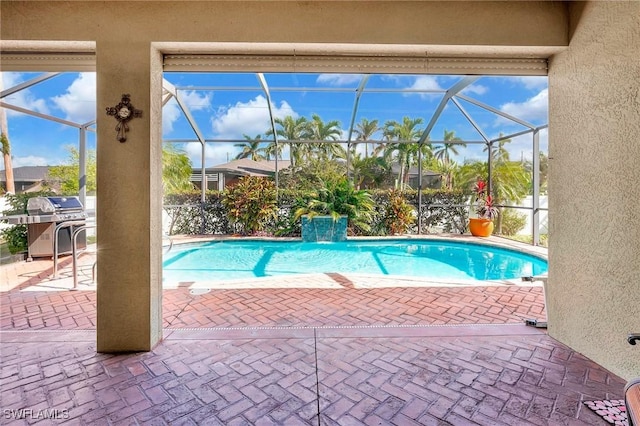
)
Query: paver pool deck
[{"x": 320, "y": 349}]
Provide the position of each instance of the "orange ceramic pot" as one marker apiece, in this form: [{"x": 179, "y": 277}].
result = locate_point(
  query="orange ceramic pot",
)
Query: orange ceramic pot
[{"x": 480, "y": 227}]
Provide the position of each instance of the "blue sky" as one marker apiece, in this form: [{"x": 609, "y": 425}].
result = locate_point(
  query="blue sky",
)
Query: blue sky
[{"x": 242, "y": 109}]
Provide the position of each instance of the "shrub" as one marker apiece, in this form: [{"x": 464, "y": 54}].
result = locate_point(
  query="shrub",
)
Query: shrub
[
  {"x": 340, "y": 198},
  {"x": 399, "y": 214},
  {"x": 251, "y": 203},
  {"x": 16, "y": 236},
  {"x": 446, "y": 210},
  {"x": 512, "y": 222}
]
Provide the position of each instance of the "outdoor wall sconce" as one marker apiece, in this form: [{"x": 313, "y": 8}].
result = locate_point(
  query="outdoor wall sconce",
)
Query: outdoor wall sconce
[{"x": 123, "y": 112}]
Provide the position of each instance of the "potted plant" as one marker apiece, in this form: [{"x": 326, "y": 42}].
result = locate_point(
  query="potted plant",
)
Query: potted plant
[
  {"x": 334, "y": 207},
  {"x": 482, "y": 226}
]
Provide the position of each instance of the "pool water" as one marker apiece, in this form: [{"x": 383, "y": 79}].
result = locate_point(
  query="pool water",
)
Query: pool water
[{"x": 429, "y": 259}]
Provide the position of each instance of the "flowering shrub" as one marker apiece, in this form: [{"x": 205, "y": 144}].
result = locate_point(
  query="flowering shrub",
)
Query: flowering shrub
[
  {"x": 484, "y": 202},
  {"x": 399, "y": 214}
]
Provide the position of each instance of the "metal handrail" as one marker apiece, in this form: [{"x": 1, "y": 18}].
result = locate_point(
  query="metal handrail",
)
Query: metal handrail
[
  {"x": 55, "y": 242},
  {"x": 74, "y": 251}
]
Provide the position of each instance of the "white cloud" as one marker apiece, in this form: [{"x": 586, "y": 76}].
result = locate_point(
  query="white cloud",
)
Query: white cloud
[
  {"x": 214, "y": 153},
  {"x": 339, "y": 79},
  {"x": 531, "y": 82},
  {"x": 534, "y": 109},
  {"x": 171, "y": 111},
  {"x": 247, "y": 118},
  {"x": 195, "y": 101},
  {"x": 477, "y": 89},
  {"x": 424, "y": 82},
  {"x": 30, "y": 160},
  {"x": 170, "y": 114},
  {"x": 79, "y": 102},
  {"x": 23, "y": 98}
]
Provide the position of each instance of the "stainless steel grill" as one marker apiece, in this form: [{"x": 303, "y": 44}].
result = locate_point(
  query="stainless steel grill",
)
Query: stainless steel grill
[{"x": 48, "y": 215}]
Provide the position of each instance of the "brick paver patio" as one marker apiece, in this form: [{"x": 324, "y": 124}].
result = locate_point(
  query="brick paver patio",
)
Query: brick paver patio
[{"x": 332, "y": 353}]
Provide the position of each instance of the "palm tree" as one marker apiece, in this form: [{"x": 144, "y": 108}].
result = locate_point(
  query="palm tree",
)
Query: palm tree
[
  {"x": 251, "y": 149},
  {"x": 443, "y": 155},
  {"x": 176, "y": 170},
  {"x": 321, "y": 131},
  {"x": 365, "y": 130},
  {"x": 369, "y": 172},
  {"x": 403, "y": 152},
  {"x": 500, "y": 154},
  {"x": 6, "y": 148},
  {"x": 271, "y": 151},
  {"x": 292, "y": 129}
]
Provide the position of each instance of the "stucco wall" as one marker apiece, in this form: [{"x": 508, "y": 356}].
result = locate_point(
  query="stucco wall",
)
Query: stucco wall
[
  {"x": 593, "y": 292},
  {"x": 390, "y": 22}
]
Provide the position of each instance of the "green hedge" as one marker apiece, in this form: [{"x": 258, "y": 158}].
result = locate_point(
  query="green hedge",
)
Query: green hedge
[{"x": 440, "y": 212}]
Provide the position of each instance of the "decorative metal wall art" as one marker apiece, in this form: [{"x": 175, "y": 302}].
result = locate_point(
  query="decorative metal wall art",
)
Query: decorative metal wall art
[{"x": 123, "y": 112}]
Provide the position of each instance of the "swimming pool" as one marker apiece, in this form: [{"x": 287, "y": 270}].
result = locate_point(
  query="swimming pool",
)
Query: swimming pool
[{"x": 428, "y": 259}]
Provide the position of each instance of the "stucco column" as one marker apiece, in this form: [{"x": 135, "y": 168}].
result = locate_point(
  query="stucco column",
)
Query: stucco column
[
  {"x": 129, "y": 193},
  {"x": 593, "y": 291}
]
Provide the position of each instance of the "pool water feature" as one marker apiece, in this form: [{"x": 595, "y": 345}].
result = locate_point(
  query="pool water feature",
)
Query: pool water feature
[{"x": 427, "y": 259}]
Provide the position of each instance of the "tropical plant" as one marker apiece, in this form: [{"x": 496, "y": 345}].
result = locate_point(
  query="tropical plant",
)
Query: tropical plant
[
  {"x": 364, "y": 131},
  {"x": 251, "y": 203},
  {"x": 6, "y": 149},
  {"x": 370, "y": 172},
  {"x": 340, "y": 198},
  {"x": 292, "y": 129},
  {"x": 484, "y": 202},
  {"x": 443, "y": 154},
  {"x": 251, "y": 149},
  {"x": 512, "y": 222},
  {"x": 403, "y": 151},
  {"x": 66, "y": 176},
  {"x": 16, "y": 236},
  {"x": 399, "y": 215},
  {"x": 320, "y": 131},
  {"x": 314, "y": 174},
  {"x": 176, "y": 170},
  {"x": 8, "y": 167}
]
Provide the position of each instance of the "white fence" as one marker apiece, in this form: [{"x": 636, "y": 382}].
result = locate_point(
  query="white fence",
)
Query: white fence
[{"x": 544, "y": 217}]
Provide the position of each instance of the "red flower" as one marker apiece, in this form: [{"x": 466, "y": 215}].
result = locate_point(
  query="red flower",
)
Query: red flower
[
  {"x": 480, "y": 186},
  {"x": 484, "y": 202}
]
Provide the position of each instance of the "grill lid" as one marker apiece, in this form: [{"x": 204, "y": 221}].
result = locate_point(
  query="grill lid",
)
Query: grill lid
[{"x": 50, "y": 205}]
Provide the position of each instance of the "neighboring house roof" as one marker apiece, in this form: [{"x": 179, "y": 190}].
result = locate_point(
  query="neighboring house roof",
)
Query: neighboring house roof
[
  {"x": 246, "y": 167},
  {"x": 27, "y": 174}
]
